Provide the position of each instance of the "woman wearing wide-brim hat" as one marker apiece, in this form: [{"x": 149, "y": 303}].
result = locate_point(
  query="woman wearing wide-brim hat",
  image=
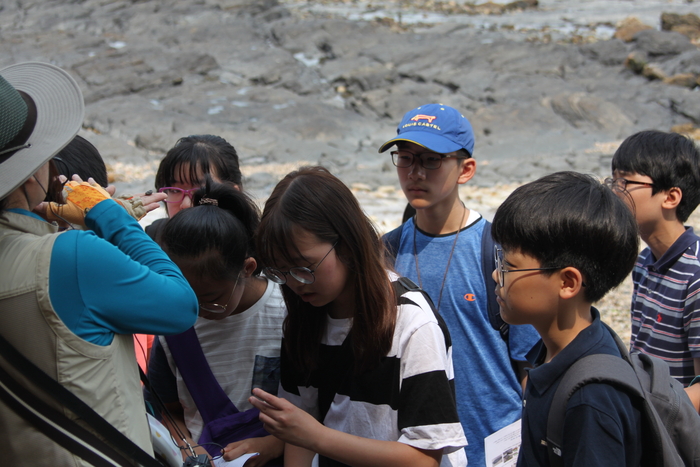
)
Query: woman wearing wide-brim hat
[{"x": 69, "y": 302}]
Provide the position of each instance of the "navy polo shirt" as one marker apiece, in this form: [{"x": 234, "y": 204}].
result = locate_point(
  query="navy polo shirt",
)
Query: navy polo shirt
[{"x": 602, "y": 425}]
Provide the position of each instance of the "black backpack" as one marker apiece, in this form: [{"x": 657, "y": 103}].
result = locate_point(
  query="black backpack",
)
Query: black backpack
[
  {"x": 670, "y": 424},
  {"x": 392, "y": 241}
]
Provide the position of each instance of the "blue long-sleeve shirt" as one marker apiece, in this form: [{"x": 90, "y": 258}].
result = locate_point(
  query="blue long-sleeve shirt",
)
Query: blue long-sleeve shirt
[{"x": 116, "y": 280}]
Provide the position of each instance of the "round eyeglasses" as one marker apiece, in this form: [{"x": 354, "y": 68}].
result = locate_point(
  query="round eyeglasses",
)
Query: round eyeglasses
[
  {"x": 501, "y": 267},
  {"x": 301, "y": 274},
  {"x": 620, "y": 184},
  {"x": 175, "y": 194},
  {"x": 215, "y": 307},
  {"x": 428, "y": 160}
]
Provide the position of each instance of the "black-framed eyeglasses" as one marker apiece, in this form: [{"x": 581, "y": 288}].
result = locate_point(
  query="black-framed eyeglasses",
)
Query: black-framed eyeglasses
[
  {"x": 501, "y": 267},
  {"x": 428, "y": 160},
  {"x": 620, "y": 184},
  {"x": 301, "y": 274},
  {"x": 215, "y": 307},
  {"x": 175, "y": 194}
]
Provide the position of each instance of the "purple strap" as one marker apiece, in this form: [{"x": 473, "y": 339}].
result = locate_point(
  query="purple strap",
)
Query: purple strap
[{"x": 211, "y": 401}]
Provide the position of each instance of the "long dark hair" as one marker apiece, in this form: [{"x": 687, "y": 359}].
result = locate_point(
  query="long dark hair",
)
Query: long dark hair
[
  {"x": 313, "y": 199},
  {"x": 216, "y": 235}
]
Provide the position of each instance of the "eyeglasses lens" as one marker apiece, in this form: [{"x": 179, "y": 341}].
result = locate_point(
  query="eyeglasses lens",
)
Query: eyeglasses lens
[
  {"x": 405, "y": 159},
  {"x": 615, "y": 184},
  {"x": 402, "y": 159},
  {"x": 498, "y": 258},
  {"x": 303, "y": 275},
  {"x": 212, "y": 307},
  {"x": 175, "y": 195},
  {"x": 275, "y": 275}
]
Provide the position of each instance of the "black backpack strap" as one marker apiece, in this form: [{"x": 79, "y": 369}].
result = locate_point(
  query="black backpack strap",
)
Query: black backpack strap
[
  {"x": 624, "y": 351},
  {"x": 598, "y": 368},
  {"x": 488, "y": 264},
  {"x": 56, "y": 426},
  {"x": 403, "y": 285},
  {"x": 392, "y": 241},
  {"x": 107, "y": 446}
]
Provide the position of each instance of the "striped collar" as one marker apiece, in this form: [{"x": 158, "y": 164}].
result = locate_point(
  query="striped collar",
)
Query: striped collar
[{"x": 669, "y": 258}]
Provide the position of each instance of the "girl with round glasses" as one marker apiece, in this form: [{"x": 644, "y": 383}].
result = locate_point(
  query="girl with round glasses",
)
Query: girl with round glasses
[
  {"x": 366, "y": 372},
  {"x": 239, "y": 328}
]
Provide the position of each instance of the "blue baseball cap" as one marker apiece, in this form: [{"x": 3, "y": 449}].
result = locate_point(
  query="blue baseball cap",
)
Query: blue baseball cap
[{"x": 437, "y": 127}]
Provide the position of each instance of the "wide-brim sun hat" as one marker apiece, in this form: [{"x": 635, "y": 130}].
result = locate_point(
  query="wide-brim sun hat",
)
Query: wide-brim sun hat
[
  {"x": 60, "y": 110},
  {"x": 437, "y": 127}
]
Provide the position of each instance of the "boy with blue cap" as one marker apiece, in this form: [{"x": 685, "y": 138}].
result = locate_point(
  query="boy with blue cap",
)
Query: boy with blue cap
[{"x": 442, "y": 249}]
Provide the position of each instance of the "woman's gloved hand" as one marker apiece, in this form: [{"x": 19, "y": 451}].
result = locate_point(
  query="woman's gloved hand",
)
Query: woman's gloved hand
[
  {"x": 82, "y": 196},
  {"x": 79, "y": 198}
]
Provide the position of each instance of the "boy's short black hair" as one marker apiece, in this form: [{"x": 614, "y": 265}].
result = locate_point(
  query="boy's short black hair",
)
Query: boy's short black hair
[
  {"x": 571, "y": 219},
  {"x": 669, "y": 159},
  {"x": 82, "y": 158}
]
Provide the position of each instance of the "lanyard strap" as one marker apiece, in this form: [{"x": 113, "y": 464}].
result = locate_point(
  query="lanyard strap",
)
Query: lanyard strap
[{"x": 208, "y": 396}]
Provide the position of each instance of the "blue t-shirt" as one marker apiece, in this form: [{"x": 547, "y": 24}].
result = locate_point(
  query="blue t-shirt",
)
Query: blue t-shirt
[
  {"x": 488, "y": 392},
  {"x": 116, "y": 280}
]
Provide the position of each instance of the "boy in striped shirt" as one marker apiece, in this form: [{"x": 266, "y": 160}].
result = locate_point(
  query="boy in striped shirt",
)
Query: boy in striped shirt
[{"x": 658, "y": 175}]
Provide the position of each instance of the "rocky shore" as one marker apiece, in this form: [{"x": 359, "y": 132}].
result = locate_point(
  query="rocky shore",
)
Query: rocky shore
[
  {"x": 545, "y": 86},
  {"x": 548, "y": 85}
]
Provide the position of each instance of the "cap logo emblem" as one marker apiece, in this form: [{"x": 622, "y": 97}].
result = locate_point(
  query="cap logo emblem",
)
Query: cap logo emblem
[{"x": 419, "y": 117}]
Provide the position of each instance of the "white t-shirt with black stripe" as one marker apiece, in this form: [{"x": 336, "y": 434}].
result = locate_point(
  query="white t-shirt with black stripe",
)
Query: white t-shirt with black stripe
[
  {"x": 241, "y": 351},
  {"x": 409, "y": 398}
]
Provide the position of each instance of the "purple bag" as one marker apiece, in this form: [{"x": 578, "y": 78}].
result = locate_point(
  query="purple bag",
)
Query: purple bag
[{"x": 223, "y": 422}]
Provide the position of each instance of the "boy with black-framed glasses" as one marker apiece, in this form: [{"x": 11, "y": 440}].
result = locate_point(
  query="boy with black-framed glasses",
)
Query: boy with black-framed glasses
[
  {"x": 557, "y": 233},
  {"x": 446, "y": 248},
  {"x": 658, "y": 175}
]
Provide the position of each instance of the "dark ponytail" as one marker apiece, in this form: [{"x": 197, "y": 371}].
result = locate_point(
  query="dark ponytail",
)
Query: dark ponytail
[{"x": 217, "y": 233}]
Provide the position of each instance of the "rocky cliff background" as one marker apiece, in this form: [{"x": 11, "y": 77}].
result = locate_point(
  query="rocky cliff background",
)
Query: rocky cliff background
[{"x": 290, "y": 82}]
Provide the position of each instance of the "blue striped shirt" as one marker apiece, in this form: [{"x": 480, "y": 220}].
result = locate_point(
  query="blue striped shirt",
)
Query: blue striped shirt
[{"x": 665, "y": 305}]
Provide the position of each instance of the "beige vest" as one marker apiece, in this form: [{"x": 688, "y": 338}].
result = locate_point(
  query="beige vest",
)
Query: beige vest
[{"x": 104, "y": 377}]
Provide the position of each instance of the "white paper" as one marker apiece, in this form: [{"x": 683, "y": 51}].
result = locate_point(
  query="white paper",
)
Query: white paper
[
  {"x": 502, "y": 447},
  {"x": 238, "y": 462}
]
